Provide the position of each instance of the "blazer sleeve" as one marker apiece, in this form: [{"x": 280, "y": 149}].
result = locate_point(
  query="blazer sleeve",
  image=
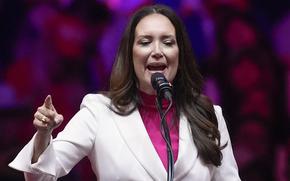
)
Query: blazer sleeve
[
  {"x": 228, "y": 171},
  {"x": 63, "y": 152}
]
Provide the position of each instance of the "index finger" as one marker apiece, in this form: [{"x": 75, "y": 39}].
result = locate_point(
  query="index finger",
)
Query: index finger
[{"x": 48, "y": 103}]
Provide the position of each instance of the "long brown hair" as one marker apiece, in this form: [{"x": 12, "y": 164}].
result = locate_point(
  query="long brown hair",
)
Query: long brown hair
[{"x": 187, "y": 84}]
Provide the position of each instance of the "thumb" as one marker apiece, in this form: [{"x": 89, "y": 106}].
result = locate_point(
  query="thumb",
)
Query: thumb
[
  {"x": 48, "y": 103},
  {"x": 58, "y": 119}
]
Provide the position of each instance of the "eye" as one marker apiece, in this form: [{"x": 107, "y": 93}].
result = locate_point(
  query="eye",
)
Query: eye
[
  {"x": 144, "y": 42},
  {"x": 169, "y": 42}
]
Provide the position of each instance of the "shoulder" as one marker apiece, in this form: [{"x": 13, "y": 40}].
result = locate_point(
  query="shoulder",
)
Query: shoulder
[
  {"x": 95, "y": 97},
  {"x": 95, "y": 101},
  {"x": 218, "y": 110},
  {"x": 220, "y": 117}
]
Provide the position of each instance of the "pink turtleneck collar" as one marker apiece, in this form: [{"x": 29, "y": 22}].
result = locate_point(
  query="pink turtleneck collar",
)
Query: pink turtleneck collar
[{"x": 151, "y": 120}]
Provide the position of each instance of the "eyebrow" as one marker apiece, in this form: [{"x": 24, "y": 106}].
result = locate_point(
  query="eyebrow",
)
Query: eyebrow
[{"x": 163, "y": 36}]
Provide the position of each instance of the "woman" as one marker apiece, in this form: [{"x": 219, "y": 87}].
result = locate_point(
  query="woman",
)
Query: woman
[{"x": 119, "y": 130}]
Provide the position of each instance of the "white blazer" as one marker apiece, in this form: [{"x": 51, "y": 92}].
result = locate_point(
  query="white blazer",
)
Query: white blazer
[{"x": 119, "y": 148}]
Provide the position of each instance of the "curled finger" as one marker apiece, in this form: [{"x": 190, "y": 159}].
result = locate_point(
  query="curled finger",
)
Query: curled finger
[{"x": 41, "y": 118}]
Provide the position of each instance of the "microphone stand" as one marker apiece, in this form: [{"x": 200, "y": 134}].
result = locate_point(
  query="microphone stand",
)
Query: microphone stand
[{"x": 166, "y": 136}]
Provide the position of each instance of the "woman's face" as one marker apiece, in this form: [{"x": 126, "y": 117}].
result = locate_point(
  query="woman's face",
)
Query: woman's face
[{"x": 155, "y": 49}]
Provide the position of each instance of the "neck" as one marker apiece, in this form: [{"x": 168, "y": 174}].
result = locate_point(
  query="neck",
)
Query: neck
[
  {"x": 148, "y": 90},
  {"x": 149, "y": 100}
]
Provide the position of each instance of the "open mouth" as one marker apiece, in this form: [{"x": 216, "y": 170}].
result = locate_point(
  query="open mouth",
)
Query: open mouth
[{"x": 156, "y": 67}]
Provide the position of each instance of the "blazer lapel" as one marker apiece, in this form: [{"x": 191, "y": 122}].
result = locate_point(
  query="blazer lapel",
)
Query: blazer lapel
[
  {"x": 187, "y": 152},
  {"x": 137, "y": 139}
]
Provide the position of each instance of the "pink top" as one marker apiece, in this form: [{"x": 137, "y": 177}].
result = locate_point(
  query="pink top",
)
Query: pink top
[{"x": 151, "y": 120}]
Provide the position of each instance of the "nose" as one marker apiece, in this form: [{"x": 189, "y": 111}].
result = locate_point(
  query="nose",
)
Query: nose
[{"x": 157, "y": 52}]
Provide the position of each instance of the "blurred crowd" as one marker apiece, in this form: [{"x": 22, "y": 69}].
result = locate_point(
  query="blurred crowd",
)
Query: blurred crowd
[{"x": 66, "y": 48}]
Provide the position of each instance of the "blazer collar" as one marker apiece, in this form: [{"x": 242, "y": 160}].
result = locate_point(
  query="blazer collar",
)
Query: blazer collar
[
  {"x": 187, "y": 152},
  {"x": 137, "y": 139}
]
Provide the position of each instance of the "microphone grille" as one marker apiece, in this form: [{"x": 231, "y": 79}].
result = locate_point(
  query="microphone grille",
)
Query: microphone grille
[{"x": 155, "y": 78}]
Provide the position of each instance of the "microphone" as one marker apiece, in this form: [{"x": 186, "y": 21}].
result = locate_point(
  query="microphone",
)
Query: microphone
[
  {"x": 164, "y": 90},
  {"x": 162, "y": 86}
]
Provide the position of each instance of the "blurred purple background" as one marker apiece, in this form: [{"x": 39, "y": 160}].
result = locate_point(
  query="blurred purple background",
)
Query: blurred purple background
[{"x": 66, "y": 48}]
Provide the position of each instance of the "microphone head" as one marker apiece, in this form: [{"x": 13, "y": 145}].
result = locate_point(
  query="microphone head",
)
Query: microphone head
[
  {"x": 156, "y": 79},
  {"x": 161, "y": 85}
]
